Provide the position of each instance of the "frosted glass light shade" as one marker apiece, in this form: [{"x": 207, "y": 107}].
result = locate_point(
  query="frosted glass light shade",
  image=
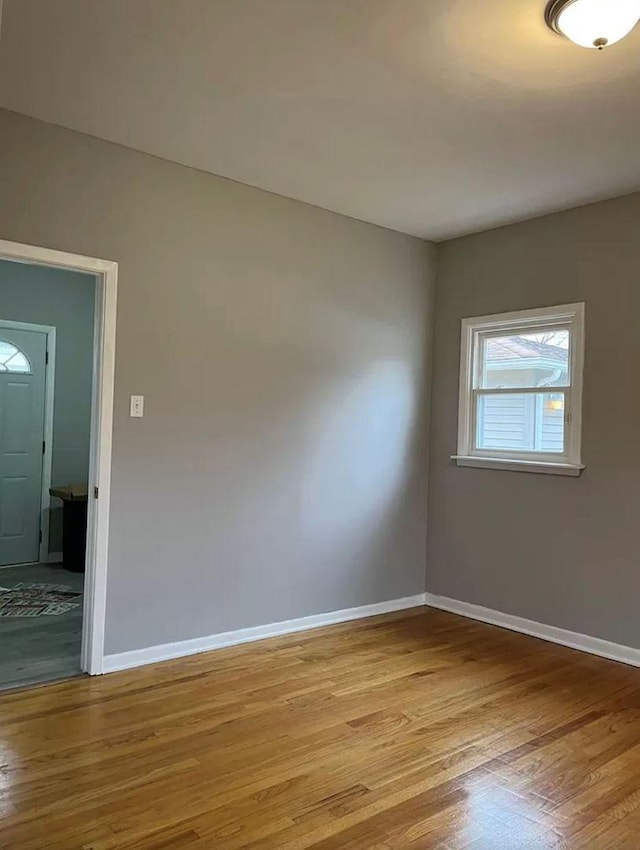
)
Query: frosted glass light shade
[{"x": 593, "y": 23}]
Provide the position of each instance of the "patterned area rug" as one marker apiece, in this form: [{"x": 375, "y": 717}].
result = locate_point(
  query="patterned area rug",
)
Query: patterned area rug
[{"x": 35, "y": 599}]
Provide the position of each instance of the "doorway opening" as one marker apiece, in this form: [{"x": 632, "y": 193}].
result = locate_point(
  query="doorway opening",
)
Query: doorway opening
[{"x": 57, "y": 333}]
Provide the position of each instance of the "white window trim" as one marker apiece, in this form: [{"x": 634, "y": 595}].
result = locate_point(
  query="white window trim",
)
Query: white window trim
[{"x": 570, "y": 462}]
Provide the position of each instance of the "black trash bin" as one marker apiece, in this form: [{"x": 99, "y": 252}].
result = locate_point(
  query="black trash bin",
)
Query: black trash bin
[{"x": 74, "y": 525}]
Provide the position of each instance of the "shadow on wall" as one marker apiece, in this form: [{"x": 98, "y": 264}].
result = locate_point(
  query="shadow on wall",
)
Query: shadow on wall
[
  {"x": 306, "y": 475},
  {"x": 369, "y": 420}
]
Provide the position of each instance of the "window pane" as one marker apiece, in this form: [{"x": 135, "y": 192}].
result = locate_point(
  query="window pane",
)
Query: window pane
[
  {"x": 17, "y": 363},
  {"x": 539, "y": 359},
  {"x": 522, "y": 422},
  {"x": 12, "y": 359}
]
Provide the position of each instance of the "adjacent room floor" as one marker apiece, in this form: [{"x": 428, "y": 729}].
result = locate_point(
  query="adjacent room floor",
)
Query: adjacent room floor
[
  {"x": 421, "y": 731},
  {"x": 45, "y": 645}
]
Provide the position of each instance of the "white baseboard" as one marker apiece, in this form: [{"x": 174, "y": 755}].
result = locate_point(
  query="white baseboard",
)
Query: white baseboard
[
  {"x": 164, "y": 652},
  {"x": 574, "y": 640},
  {"x": 54, "y": 558}
]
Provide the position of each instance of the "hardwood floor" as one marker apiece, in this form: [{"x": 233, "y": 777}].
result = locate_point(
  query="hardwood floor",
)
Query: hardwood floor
[{"x": 417, "y": 730}]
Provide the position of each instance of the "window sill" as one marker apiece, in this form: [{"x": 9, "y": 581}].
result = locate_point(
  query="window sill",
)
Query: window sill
[{"x": 511, "y": 465}]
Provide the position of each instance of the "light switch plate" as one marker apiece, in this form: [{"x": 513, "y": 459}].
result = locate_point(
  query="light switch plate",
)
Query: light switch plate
[{"x": 137, "y": 406}]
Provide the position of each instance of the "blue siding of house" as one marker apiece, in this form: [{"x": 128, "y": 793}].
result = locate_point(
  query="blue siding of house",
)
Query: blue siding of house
[
  {"x": 505, "y": 422},
  {"x": 552, "y": 430},
  {"x": 519, "y": 422}
]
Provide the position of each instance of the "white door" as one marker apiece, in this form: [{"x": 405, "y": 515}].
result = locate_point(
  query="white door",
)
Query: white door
[{"x": 23, "y": 356}]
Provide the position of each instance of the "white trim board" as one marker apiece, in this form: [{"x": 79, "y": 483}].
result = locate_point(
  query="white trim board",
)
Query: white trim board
[
  {"x": 553, "y": 634},
  {"x": 167, "y": 651}
]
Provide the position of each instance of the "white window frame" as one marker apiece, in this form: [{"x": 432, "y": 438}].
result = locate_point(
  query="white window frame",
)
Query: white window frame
[{"x": 474, "y": 330}]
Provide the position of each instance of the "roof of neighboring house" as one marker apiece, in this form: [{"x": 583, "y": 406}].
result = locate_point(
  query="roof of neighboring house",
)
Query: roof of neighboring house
[{"x": 517, "y": 347}]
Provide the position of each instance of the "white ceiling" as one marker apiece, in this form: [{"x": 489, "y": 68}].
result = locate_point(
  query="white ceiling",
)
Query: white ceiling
[{"x": 433, "y": 117}]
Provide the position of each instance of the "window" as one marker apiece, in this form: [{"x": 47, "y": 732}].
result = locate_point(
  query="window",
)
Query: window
[
  {"x": 521, "y": 390},
  {"x": 12, "y": 359}
]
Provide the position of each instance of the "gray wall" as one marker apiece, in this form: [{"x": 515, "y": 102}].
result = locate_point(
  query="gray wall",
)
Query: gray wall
[
  {"x": 562, "y": 551},
  {"x": 65, "y": 300},
  {"x": 281, "y": 466}
]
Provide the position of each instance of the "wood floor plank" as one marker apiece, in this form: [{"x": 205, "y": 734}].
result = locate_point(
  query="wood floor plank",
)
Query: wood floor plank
[{"x": 407, "y": 731}]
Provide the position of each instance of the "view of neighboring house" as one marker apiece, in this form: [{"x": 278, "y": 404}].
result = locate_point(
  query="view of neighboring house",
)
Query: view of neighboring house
[{"x": 523, "y": 421}]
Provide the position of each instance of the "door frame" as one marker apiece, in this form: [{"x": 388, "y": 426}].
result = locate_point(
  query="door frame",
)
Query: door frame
[
  {"x": 106, "y": 277},
  {"x": 49, "y": 394}
]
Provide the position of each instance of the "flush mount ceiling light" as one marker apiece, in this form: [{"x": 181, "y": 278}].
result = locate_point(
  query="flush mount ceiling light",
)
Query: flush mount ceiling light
[{"x": 593, "y": 23}]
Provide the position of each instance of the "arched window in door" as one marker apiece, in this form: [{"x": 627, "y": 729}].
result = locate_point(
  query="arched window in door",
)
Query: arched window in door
[{"x": 12, "y": 359}]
